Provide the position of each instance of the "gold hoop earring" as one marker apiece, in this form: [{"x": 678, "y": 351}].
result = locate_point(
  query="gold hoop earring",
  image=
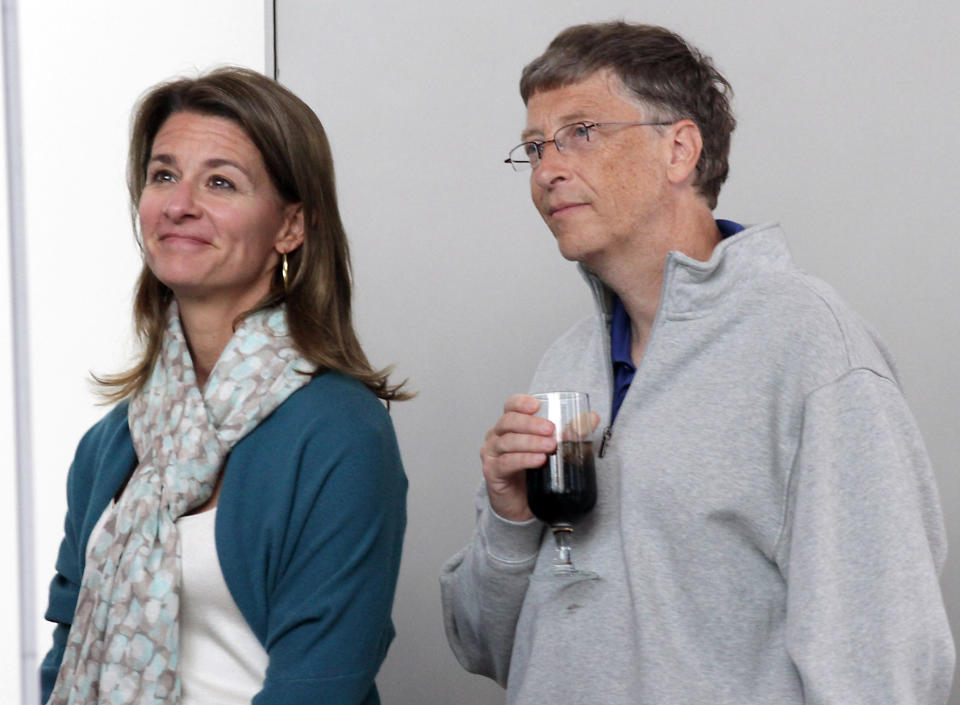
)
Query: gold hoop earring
[{"x": 283, "y": 270}]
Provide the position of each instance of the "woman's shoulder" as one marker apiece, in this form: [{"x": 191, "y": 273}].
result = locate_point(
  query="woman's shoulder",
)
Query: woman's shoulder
[
  {"x": 109, "y": 425},
  {"x": 107, "y": 435},
  {"x": 333, "y": 398},
  {"x": 332, "y": 411},
  {"x": 333, "y": 425},
  {"x": 104, "y": 457}
]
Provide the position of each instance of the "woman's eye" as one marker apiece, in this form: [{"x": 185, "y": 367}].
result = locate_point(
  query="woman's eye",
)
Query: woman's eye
[
  {"x": 160, "y": 176},
  {"x": 220, "y": 182}
]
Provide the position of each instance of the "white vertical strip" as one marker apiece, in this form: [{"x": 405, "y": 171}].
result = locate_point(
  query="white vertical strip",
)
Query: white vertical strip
[
  {"x": 270, "y": 38},
  {"x": 29, "y": 683}
]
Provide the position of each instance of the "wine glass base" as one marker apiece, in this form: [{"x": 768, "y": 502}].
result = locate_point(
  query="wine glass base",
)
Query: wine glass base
[{"x": 565, "y": 572}]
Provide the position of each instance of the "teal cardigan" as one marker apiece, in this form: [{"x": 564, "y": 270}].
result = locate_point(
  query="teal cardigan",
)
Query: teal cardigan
[{"x": 309, "y": 529}]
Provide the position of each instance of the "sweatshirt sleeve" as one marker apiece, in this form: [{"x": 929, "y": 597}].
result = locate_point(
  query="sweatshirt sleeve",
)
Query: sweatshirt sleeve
[
  {"x": 483, "y": 588},
  {"x": 862, "y": 548}
]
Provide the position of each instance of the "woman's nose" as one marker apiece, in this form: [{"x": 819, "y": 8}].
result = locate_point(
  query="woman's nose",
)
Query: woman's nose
[{"x": 181, "y": 203}]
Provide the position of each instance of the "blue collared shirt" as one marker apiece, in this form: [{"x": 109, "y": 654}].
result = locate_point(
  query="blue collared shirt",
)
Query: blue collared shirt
[{"x": 623, "y": 367}]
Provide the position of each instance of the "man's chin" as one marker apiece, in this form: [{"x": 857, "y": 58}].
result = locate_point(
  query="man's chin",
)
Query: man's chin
[{"x": 576, "y": 254}]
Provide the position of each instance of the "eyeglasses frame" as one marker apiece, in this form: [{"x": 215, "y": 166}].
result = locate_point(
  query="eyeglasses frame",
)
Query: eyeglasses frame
[{"x": 539, "y": 145}]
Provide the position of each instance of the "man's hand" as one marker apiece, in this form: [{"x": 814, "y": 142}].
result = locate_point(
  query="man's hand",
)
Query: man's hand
[{"x": 519, "y": 441}]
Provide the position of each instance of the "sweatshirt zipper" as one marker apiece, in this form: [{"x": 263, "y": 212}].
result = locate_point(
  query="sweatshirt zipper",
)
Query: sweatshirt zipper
[{"x": 608, "y": 431}]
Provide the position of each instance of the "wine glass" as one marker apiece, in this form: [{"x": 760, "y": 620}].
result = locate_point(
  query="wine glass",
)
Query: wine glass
[{"x": 564, "y": 489}]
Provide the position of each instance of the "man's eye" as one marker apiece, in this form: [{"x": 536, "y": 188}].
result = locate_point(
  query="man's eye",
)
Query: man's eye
[
  {"x": 581, "y": 132},
  {"x": 530, "y": 149}
]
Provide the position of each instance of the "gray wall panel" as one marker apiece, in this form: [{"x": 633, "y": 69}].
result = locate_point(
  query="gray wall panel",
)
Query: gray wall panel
[{"x": 847, "y": 136}]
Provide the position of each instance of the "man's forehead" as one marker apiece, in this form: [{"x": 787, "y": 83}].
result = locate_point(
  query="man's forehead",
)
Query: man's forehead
[{"x": 591, "y": 98}]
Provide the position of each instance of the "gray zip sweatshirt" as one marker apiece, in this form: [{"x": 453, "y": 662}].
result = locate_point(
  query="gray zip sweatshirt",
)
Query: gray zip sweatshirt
[{"x": 768, "y": 528}]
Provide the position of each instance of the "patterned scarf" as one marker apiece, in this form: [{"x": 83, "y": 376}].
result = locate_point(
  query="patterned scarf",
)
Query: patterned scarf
[{"x": 123, "y": 646}]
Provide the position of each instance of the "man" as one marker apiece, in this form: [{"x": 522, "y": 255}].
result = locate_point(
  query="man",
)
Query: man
[{"x": 768, "y": 528}]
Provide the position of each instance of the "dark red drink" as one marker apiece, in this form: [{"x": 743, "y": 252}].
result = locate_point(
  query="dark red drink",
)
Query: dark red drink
[{"x": 564, "y": 489}]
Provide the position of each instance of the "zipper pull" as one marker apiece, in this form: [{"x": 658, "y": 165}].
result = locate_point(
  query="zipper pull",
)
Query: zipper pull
[{"x": 607, "y": 432}]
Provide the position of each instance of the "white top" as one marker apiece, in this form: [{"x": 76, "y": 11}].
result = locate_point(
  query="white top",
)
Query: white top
[{"x": 221, "y": 660}]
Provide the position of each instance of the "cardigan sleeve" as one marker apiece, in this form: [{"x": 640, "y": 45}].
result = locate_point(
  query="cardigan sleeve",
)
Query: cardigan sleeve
[
  {"x": 103, "y": 459},
  {"x": 329, "y": 600},
  {"x": 862, "y": 547},
  {"x": 64, "y": 589}
]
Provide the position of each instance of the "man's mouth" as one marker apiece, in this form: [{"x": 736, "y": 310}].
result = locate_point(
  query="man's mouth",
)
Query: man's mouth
[{"x": 561, "y": 208}]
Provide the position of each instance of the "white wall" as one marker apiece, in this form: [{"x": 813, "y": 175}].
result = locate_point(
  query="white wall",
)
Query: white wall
[
  {"x": 848, "y": 116},
  {"x": 9, "y": 612},
  {"x": 83, "y": 66}
]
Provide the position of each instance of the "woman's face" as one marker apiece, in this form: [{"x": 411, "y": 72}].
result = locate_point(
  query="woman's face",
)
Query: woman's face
[{"x": 212, "y": 223}]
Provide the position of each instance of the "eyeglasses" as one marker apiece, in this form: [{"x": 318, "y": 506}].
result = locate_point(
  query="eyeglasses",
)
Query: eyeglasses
[{"x": 574, "y": 138}]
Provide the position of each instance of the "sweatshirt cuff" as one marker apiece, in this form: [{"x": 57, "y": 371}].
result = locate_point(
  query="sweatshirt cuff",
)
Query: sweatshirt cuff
[{"x": 509, "y": 541}]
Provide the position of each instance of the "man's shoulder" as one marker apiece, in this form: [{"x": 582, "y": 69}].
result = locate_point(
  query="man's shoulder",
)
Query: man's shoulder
[
  {"x": 574, "y": 341},
  {"x": 808, "y": 315},
  {"x": 577, "y": 351},
  {"x": 579, "y": 333}
]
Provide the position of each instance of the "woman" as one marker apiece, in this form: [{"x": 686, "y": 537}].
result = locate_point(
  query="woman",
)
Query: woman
[{"x": 234, "y": 524}]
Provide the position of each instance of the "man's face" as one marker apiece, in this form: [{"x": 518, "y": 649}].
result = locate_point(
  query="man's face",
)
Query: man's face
[{"x": 598, "y": 202}]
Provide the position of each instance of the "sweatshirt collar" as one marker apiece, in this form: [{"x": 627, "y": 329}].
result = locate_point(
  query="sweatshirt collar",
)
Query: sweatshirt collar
[{"x": 692, "y": 287}]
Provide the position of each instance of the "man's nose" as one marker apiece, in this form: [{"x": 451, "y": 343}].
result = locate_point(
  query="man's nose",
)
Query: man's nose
[{"x": 553, "y": 166}]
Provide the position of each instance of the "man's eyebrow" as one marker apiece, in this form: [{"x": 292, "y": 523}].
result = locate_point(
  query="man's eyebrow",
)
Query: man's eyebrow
[{"x": 568, "y": 119}]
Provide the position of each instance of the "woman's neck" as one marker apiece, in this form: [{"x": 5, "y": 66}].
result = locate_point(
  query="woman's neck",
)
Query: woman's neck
[
  {"x": 207, "y": 331},
  {"x": 208, "y": 326}
]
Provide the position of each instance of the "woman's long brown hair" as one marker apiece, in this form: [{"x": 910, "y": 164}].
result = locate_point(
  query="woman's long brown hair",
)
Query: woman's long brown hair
[{"x": 295, "y": 150}]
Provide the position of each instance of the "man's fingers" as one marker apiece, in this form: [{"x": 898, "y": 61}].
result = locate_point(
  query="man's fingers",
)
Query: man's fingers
[
  {"x": 516, "y": 422},
  {"x": 593, "y": 420},
  {"x": 517, "y": 442},
  {"x": 581, "y": 427},
  {"x": 520, "y": 443},
  {"x": 515, "y": 462},
  {"x": 524, "y": 403}
]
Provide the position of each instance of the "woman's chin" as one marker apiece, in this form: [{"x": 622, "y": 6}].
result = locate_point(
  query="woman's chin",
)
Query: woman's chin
[{"x": 206, "y": 293}]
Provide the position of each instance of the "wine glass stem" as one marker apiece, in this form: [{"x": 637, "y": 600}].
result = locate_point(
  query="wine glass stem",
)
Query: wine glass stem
[{"x": 562, "y": 537}]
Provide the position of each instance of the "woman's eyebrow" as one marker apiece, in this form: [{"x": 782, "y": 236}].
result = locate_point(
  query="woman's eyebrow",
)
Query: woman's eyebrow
[{"x": 211, "y": 163}]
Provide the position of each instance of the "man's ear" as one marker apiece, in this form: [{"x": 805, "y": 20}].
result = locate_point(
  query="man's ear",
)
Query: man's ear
[{"x": 685, "y": 148}]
